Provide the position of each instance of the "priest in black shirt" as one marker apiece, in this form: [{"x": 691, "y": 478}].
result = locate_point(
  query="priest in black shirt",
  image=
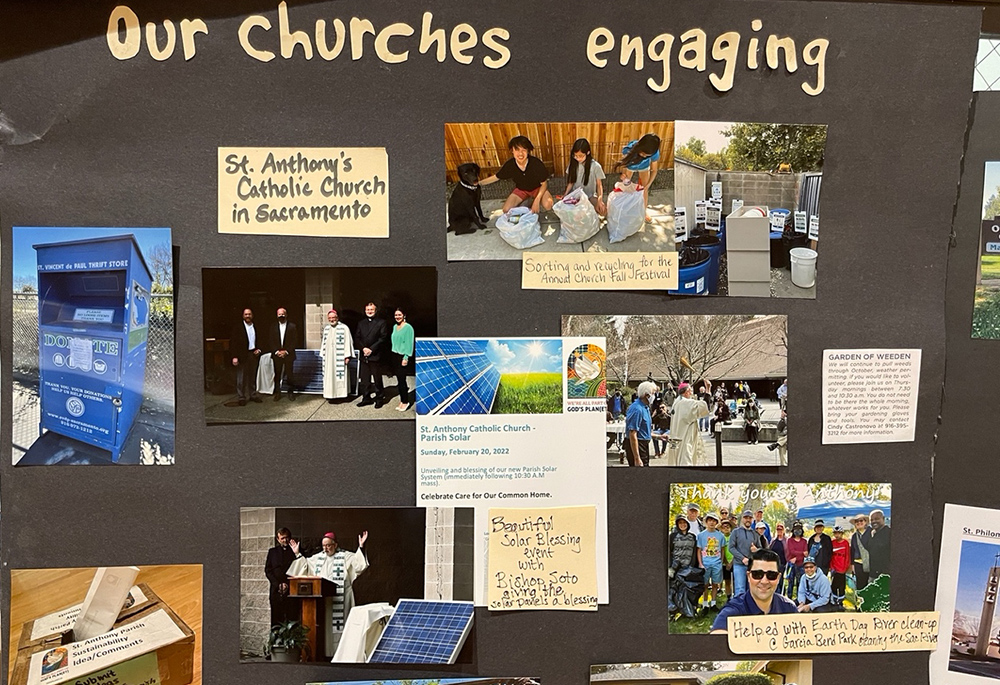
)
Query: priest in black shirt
[
  {"x": 279, "y": 558},
  {"x": 371, "y": 338}
]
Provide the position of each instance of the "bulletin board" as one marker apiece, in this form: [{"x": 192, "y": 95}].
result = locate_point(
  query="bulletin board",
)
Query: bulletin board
[{"x": 93, "y": 140}]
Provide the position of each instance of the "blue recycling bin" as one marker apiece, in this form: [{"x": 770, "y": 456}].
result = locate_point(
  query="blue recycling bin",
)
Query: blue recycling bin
[{"x": 93, "y": 327}]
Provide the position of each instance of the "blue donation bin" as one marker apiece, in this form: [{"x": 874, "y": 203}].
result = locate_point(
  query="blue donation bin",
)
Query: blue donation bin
[{"x": 93, "y": 325}]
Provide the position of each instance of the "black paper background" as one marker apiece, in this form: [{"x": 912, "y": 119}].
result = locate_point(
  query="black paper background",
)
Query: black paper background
[{"x": 134, "y": 144}]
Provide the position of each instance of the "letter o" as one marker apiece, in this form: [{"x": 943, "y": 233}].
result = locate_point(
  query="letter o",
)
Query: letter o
[{"x": 130, "y": 47}]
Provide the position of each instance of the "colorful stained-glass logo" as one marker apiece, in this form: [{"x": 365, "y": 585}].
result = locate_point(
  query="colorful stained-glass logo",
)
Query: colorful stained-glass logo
[{"x": 585, "y": 372}]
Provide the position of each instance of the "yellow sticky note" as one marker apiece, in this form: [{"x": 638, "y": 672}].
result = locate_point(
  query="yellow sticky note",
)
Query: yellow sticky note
[
  {"x": 543, "y": 558},
  {"x": 320, "y": 191},
  {"x": 800, "y": 633},
  {"x": 599, "y": 271}
]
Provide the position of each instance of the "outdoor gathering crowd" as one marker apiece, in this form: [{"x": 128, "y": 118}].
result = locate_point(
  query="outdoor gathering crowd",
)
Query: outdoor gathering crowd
[
  {"x": 674, "y": 419},
  {"x": 379, "y": 351},
  {"x": 761, "y": 573}
]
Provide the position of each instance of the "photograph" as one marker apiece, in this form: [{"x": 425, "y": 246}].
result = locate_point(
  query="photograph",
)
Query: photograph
[
  {"x": 743, "y": 549},
  {"x": 439, "y": 681},
  {"x": 91, "y": 625},
  {"x": 356, "y": 585},
  {"x": 693, "y": 390},
  {"x": 986, "y": 311},
  {"x": 776, "y": 672},
  {"x": 558, "y": 187},
  {"x": 967, "y": 589},
  {"x": 93, "y": 346},
  {"x": 750, "y": 195},
  {"x": 495, "y": 376},
  {"x": 314, "y": 344}
]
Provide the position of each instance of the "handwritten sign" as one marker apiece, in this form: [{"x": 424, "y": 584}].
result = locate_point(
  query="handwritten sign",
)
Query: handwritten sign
[
  {"x": 832, "y": 633},
  {"x": 304, "y": 191},
  {"x": 543, "y": 558},
  {"x": 599, "y": 271}
]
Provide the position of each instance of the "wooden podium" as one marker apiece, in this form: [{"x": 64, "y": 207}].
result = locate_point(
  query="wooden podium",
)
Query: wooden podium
[{"x": 310, "y": 591}]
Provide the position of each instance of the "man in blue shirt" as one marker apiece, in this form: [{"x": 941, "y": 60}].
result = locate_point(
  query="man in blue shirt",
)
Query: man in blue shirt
[
  {"x": 639, "y": 425},
  {"x": 762, "y": 578}
]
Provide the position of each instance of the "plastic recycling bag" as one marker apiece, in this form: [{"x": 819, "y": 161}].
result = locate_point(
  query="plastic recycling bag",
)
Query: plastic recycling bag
[
  {"x": 626, "y": 211},
  {"x": 520, "y": 228},
  {"x": 578, "y": 218}
]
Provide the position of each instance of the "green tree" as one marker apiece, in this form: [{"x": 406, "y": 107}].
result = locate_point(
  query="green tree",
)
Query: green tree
[
  {"x": 992, "y": 207},
  {"x": 739, "y": 679},
  {"x": 764, "y": 147},
  {"x": 696, "y": 151}
]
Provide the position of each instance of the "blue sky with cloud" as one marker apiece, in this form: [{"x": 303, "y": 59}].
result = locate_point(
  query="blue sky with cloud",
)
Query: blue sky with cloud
[{"x": 526, "y": 355}]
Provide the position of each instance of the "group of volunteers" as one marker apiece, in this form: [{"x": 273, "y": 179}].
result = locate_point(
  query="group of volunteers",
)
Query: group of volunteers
[
  {"x": 531, "y": 178},
  {"x": 761, "y": 573}
]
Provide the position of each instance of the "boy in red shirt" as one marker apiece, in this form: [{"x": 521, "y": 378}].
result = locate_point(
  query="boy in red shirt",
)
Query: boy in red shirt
[{"x": 840, "y": 562}]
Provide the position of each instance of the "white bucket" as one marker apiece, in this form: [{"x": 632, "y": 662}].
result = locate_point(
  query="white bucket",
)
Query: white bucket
[{"x": 803, "y": 266}]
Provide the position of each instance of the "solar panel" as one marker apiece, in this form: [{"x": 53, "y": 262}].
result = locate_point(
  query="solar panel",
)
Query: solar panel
[
  {"x": 424, "y": 632},
  {"x": 455, "y": 377}
]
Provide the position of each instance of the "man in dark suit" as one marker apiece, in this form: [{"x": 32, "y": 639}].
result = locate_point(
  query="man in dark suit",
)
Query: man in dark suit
[
  {"x": 244, "y": 346},
  {"x": 283, "y": 338},
  {"x": 371, "y": 338},
  {"x": 279, "y": 558}
]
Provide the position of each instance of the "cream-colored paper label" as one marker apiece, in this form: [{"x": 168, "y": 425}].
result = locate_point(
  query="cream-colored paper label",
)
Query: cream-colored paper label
[
  {"x": 599, "y": 271},
  {"x": 543, "y": 558},
  {"x": 304, "y": 191},
  {"x": 834, "y": 632}
]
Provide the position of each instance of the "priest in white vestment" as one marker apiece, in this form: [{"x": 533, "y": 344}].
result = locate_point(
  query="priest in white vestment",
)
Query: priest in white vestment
[
  {"x": 687, "y": 446},
  {"x": 341, "y": 568},
  {"x": 336, "y": 349}
]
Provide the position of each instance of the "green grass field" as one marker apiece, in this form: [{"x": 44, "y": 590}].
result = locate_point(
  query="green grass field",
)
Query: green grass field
[
  {"x": 989, "y": 267},
  {"x": 529, "y": 393}
]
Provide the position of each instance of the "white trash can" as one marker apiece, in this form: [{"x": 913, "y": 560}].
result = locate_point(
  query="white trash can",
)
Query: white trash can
[{"x": 803, "y": 266}]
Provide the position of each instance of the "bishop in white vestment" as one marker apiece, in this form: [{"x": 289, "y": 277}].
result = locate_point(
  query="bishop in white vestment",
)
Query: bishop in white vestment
[
  {"x": 341, "y": 568},
  {"x": 688, "y": 448},
  {"x": 335, "y": 349}
]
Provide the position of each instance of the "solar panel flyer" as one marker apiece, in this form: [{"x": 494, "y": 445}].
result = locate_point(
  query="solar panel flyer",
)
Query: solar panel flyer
[{"x": 512, "y": 422}]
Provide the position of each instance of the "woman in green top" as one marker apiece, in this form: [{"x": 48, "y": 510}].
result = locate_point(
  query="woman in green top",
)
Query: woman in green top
[{"x": 402, "y": 354}]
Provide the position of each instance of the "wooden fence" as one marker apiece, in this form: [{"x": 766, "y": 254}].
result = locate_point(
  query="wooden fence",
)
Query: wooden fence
[{"x": 486, "y": 144}]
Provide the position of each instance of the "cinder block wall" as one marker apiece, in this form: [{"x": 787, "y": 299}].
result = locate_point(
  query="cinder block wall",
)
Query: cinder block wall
[
  {"x": 756, "y": 188},
  {"x": 256, "y": 537}
]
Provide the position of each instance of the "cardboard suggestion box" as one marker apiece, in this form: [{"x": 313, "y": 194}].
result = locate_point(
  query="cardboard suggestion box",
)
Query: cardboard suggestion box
[{"x": 174, "y": 660}]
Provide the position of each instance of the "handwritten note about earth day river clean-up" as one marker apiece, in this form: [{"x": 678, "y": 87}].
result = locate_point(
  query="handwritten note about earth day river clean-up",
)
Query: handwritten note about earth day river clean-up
[
  {"x": 324, "y": 191},
  {"x": 543, "y": 558},
  {"x": 870, "y": 395},
  {"x": 599, "y": 270},
  {"x": 831, "y": 633}
]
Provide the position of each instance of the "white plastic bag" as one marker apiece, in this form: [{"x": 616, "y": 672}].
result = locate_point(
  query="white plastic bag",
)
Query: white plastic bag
[
  {"x": 626, "y": 211},
  {"x": 577, "y": 216},
  {"x": 520, "y": 228}
]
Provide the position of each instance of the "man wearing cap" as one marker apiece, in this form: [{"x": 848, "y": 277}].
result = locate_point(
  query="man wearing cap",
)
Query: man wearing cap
[
  {"x": 742, "y": 543},
  {"x": 758, "y": 517},
  {"x": 639, "y": 425},
  {"x": 689, "y": 447},
  {"x": 694, "y": 519},
  {"x": 820, "y": 546},
  {"x": 726, "y": 527},
  {"x": 711, "y": 544},
  {"x": 339, "y": 567},
  {"x": 878, "y": 546},
  {"x": 814, "y": 590},
  {"x": 762, "y": 577},
  {"x": 840, "y": 562}
]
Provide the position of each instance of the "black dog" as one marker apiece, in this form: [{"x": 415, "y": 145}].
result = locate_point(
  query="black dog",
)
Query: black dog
[{"x": 465, "y": 214}]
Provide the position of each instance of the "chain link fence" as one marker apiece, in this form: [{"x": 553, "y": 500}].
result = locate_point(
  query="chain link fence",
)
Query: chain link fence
[{"x": 158, "y": 388}]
